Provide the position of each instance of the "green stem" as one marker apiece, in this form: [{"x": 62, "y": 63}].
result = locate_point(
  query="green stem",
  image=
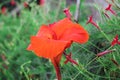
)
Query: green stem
[
  {"x": 23, "y": 70},
  {"x": 91, "y": 61},
  {"x": 105, "y": 35}
]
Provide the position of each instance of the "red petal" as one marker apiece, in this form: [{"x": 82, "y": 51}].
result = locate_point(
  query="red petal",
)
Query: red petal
[
  {"x": 76, "y": 33},
  {"x": 119, "y": 43},
  {"x": 60, "y": 26},
  {"x": 67, "y": 30},
  {"x": 90, "y": 19},
  {"x": 46, "y": 32},
  {"x": 48, "y": 48},
  {"x": 29, "y": 47},
  {"x": 108, "y": 7}
]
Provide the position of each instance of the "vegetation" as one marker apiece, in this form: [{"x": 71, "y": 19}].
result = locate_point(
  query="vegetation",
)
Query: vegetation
[{"x": 18, "y": 63}]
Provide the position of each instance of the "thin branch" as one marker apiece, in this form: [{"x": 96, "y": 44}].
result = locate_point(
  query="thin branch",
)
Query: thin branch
[{"x": 76, "y": 17}]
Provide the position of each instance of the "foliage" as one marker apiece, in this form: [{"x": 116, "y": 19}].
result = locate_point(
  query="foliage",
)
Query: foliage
[{"x": 18, "y": 63}]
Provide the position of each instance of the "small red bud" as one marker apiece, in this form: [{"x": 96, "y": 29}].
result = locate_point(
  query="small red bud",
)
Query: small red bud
[
  {"x": 105, "y": 52},
  {"x": 109, "y": 8},
  {"x": 67, "y": 13},
  {"x": 90, "y": 20}
]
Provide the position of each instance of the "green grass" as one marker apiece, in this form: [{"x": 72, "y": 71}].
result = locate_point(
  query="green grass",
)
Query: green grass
[{"x": 18, "y": 63}]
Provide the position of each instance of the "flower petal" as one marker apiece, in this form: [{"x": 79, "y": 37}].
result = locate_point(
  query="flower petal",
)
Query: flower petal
[
  {"x": 48, "y": 48},
  {"x": 46, "y": 32},
  {"x": 76, "y": 33},
  {"x": 60, "y": 26},
  {"x": 67, "y": 30}
]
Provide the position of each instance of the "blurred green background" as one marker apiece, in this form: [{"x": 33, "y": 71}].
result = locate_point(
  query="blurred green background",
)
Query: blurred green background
[{"x": 16, "y": 63}]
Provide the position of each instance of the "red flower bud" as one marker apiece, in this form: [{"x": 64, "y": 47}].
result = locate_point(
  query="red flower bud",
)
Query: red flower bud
[
  {"x": 110, "y": 9},
  {"x": 90, "y": 20},
  {"x": 67, "y": 13},
  {"x": 105, "y": 52},
  {"x": 115, "y": 41}
]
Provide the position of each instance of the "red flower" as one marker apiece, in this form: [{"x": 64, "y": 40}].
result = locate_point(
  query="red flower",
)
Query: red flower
[
  {"x": 67, "y": 13},
  {"x": 115, "y": 41},
  {"x": 105, "y": 52},
  {"x": 51, "y": 41},
  {"x": 4, "y": 10},
  {"x": 110, "y": 9},
  {"x": 90, "y": 20},
  {"x": 25, "y": 4},
  {"x": 41, "y": 2},
  {"x": 13, "y": 2}
]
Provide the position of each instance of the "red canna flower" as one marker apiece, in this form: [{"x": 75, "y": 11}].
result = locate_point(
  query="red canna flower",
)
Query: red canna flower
[
  {"x": 105, "y": 52},
  {"x": 67, "y": 13},
  {"x": 110, "y": 9},
  {"x": 3, "y": 10},
  {"x": 69, "y": 59},
  {"x": 115, "y": 41},
  {"x": 51, "y": 41},
  {"x": 12, "y": 2},
  {"x": 90, "y": 20}
]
